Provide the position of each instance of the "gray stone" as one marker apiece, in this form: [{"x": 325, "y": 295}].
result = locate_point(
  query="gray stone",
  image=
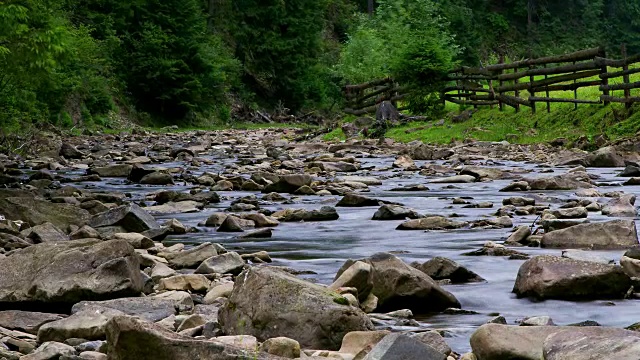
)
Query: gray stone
[
  {"x": 395, "y": 212},
  {"x": 87, "y": 324},
  {"x": 229, "y": 263},
  {"x": 26, "y": 321},
  {"x": 147, "y": 308},
  {"x": 440, "y": 268},
  {"x": 592, "y": 343},
  {"x": 50, "y": 351},
  {"x": 402, "y": 347},
  {"x": 552, "y": 277},
  {"x": 430, "y": 223},
  {"x": 131, "y": 217},
  {"x": 616, "y": 234},
  {"x": 46, "y": 232},
  {"x": 192, "y": 257}
]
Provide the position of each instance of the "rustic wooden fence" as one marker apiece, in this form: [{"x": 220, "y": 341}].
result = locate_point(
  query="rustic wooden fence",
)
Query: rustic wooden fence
[{"x": 520, "y": 83}]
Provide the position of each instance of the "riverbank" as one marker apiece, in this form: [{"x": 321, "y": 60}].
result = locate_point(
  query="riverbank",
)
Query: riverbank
[{"x": 244, "y": 241}]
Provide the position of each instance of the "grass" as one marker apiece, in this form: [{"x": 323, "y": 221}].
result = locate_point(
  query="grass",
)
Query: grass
[{"x": 564, "y": 120}]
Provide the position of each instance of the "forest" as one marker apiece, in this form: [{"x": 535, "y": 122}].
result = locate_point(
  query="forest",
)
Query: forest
[{"x": 89, "y": 63}]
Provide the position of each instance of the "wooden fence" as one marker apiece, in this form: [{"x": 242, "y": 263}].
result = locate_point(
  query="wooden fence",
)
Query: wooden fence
[{"x": 520, "y": 83}]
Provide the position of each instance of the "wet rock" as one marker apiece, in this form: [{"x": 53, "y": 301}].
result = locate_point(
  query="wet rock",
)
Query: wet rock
[
  {"x": 367, "y": 180},
  {"x": 399, "y": 286},
  {"x": 519, "y": 236},
  {"x": 537, "y": 321},
  {"x": 181, "y": 207},
  {"x": 223, "y": 185},
  {"x": 405, "y": 162},
  {"x": 630, "y": 171},
  {"x": 616, "y": 234},
  {"x": 430, "y": 223},
  {"x": 632, "y": 182},
  {"x": 325, "y": 213},
  {"x": 260, "y": 256},
  {"x": 131, "y": 217},
  {"x": 70, "y": 271},
  {"x": 630, "y": 262},
  {"x": 457, "y": 179},
  {"x": 623, "y": 206},
  {"x": 359, "y": 276},
  {"x": 495, "y": 341},
  {"x": 147, "y": 308},
  {"x": 288, "y": 183},
  {"x": 229, "y": 263},
  {"x": 516, "y": 186},
  {"x": 258, "y": 234},
  {"x": 440, "y": 268},
  {"x": 568, "y": 181},
  {"x": 117, "y": 170},
  {"x": 268, "y": 303},
  {"x": 399, "y": 347},
  {"x": 355, "y": 200},
  {"x": 215, "y": 219},
  {"x": 157, "y": 178},
  {"x": 26, "y": 321},
  {"x": 552, "y": 277},
  {"x": 492, "y": 249},
  {"x": 413, "y": 187},
  {"x": 570, "y": 213},
  {"x": 230, "y": 224},
  {"x": 261, "y": 220},
  {"x": 605, "y": 157},
  {"x": 130, "y": 339},
  {"x": 482, "y": 173},
  {"x": 395, "y": 212}
]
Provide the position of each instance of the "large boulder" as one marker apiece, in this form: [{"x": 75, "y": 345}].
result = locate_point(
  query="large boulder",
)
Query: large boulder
[
  {"x": 568, "y": 181},
  {"x": 402, "y": 347},
  {"x": 131, "y": 217},
  {"x": 605, "y": 157},
  {"x": 229, "y": 263},
  {"x": 616, "y": 234},
  {"x": 503, "y": 342},
  {"x": 192, "y": 257},
  {"x": 268, "y": 303},
  {"x": 35, "y": 212},
  {"x": 426, "y": 152},
  {"x": 89, "y": 325},
  {"x": 400, "y": 286},
  {"x": 71, "y": 271},
  {"x": 359, "y": 276},
  {"x": 553, "y": 277},
  {"x": 133, "y": 339}
]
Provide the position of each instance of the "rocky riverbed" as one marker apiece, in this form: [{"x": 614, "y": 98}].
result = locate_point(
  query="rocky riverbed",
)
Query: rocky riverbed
[{"x": 248, "y": 244}]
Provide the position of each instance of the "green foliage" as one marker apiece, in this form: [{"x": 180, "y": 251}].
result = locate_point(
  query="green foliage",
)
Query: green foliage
[{"x": 406, "y": 40}]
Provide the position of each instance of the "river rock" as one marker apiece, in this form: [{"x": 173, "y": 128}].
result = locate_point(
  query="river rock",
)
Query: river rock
[
  {"x": 35, "y": 211},
  {"x": 616, "y": 234},
  {"x": 131, "y": 217},
  {"x": 229, "y": 263},
  {"x": 367, "y": 180},
  {"x": 268, "y": 303},
  {"x": 89, "y": 325},
  {"x": 117, "y": 170},
  {"x": 568, "y": 181},
  {"x": 434, "y": 340},
  {"x": 483, "y": 173},
  {"x": 605, "y": 157},
  {"x": 325, "y": 213},
  {"x": 430, "y": 223},
  {"x": 502, "y": 342},
  {"x": 222, "y": 290},
  {"x": 46, "y": 232},
  {"x": 402, "y": 347},
  {"x": 131, "y": 339},
  {"x": 288, "y": 183},
  {"x": 355, "y": 200},
  {"x": 519, "y": 236},
  {"x": 281, "y": 346},
  {"x": 157, "y": 178},
  {"x": 624, "y": 206},
  {"x": 185, "y": 282},
  {"x": 592, "y": 343},
  {"x": 192, "y": 257},
  {"x": 405, "y": 162},
  {"x": 180, "y": 207},
  {"x": 359, "y": 276},
  {"x": 138, "y": 241},
  {"x": 570, "y": 213},
  {"x": 50, "y": 350},
  {"x": 70, "y": 152},
  {"x": 395, "y": 212},
  {"x": 70, "y": 271},
  {"x": 456, "y": 179},
  {"x": 519, "y": 201},
  {"x": 230, "y": 224},
  {"x": 440, "y": 268},
  {"x": 588, "y": 255},
  {"x": 148, "y": 308},
  {"x": 26, "y": 321},
  {"x": 261, "y": 220},
  {"x": 552, "y": 277},
  {"x": 399, "y": 286},
  {"x": 426, "y": 152}
]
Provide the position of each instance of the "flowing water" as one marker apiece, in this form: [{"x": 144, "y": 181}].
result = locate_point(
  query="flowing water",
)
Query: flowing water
[{"x": 322, "y": 247}]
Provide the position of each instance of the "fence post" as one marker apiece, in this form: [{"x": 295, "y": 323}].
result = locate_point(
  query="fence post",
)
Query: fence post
[
  {"x": 575, "y": 91},
  {"x": 605, "y": 81},
  {"x": 500, "y": 82},
  {"x": 547, "y": 91},
  {"x": 516, "y": 92},
  {"x": 625, "y": 67},
  {"x": 531, "y": 92}
]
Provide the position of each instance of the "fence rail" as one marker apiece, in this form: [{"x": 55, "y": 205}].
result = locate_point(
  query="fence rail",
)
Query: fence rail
[{"x": 505, "y": 83}]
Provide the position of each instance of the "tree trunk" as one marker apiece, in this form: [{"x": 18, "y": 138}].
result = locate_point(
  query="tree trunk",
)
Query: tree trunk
[{"x": 370, "y": 7}]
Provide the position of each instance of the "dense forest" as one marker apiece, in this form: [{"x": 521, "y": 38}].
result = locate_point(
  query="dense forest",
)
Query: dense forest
[{"x": 90, "y": 62}]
